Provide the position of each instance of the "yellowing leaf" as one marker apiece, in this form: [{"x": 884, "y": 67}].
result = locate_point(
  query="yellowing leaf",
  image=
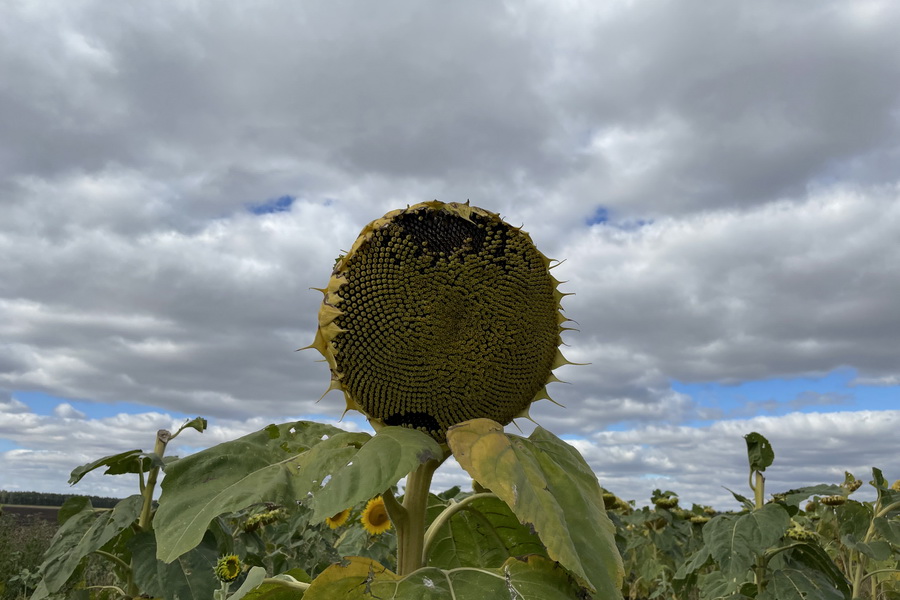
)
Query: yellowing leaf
[
  {"x": 529, "y": 578},
  {"x": 547, "y": 484}
]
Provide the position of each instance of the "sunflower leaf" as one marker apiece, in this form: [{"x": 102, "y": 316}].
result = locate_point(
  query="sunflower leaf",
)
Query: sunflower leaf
[
  {"x": 548, "y": 484},
  {"x": 281, "y": 464},
  {"x": 527, "y": 578},
  {"x": 380, "y": 463}
]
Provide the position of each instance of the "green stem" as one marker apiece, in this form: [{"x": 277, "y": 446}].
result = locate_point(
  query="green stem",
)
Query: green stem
[
  {"x": 114, "y": 558},
  {"x": 287, "y": 583},
  {"x": 395, "y": 510},
  {"x": 862, "y": 559},
  {"x": 887, "y": 509},
  {"x": 759, "y": 487},
  {"x": 144, "y": 522},
  {"x": 411, "y": 529},
  {"x": 162, "y": 438},
  {"x": 772, "y": 552},
  {"x": 445, "y": 516},
  {"x": 117, "y": 589}
]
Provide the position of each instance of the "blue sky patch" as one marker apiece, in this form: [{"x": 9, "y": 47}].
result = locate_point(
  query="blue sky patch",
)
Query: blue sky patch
[
  {"x": 601, "y": 215},
  {"x": 834, "y": 392},
  {"x": 43, "y": 404},
  {"x": 273, "y": 205}
]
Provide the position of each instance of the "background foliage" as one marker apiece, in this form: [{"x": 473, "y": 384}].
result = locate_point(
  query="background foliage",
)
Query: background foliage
[{"x": 815, "y": 542}]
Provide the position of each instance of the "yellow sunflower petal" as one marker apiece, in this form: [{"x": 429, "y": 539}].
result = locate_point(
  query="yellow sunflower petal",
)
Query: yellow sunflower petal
[
  {"x": 228, "y": 567},
  {"x": 375, "y": 518},
  {"x": 339, "y": 519}
]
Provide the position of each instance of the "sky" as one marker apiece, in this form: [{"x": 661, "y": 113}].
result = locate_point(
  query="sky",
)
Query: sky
[{"x": 719, "y": 181}]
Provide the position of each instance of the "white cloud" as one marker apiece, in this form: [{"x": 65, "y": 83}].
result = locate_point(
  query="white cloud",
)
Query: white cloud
[
  {"x": 49, "y": 447},
  {"x": 67, "y": 411},
  {"x": 699, "y": 462}
]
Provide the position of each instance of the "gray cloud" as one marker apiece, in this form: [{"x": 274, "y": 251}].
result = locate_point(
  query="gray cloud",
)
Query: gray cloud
[{"x": 785, "y": 288}]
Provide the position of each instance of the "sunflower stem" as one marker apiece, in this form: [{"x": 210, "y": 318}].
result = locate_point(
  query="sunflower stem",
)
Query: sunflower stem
[
  {"x": 162, "y": 439},
  {"x": 411, "y": 527},
  {"x": 448, "y": 512},
  {"x": 394, "y": 509}
]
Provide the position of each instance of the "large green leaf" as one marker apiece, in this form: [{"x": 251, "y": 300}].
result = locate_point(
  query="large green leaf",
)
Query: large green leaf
[
  {"x": 877, "y": 550},
  {"x": 130, "y": 461},
  {"x": 83, "y": 533},
  {"x": 72, "y": 507},
  {"x": 547, "y": 484},
  {"x": 715, "y": 585},
  {"x": 198, "y": 423},
  {"x": 811, "y": 556},
  {"x": 796, "y": 496},
  {"x": 281, "y": 464},
  {"x": 190, "y": 577},
  {"x": 800, "y": 584},
  {"x": 274, "y": 591},
  {"x": 695, "y": 562},
  {"x": 529, "y": 578},
  {"x": 734, "y": 542},
  {"x": 485, "y": 533},
  {"x": 759, "y": 451},
  {"x": 887, "y": 494},
  {"x": 380, "y": 463},
  {"x": 854, "y": 519},
  {"x": 889, "y": 530}
]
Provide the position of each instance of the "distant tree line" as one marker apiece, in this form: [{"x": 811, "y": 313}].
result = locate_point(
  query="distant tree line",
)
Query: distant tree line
[{"x": 48, "y": 499}]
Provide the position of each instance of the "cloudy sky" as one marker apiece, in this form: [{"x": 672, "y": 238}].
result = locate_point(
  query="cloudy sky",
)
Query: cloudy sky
[{"x": 720, "y": 178}]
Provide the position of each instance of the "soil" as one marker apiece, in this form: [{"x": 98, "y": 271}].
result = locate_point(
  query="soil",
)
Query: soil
[{"x": 47, "y": 513}]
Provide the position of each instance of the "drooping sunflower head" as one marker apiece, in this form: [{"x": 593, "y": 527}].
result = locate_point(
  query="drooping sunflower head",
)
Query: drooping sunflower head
[
  {"x": 339, "y": 519},
  {"x": 262, "y": 519},
  {"x": 228, "y": 567},
  {"x": 375, "y": 517},
  {"x": 438, "y": 314}
]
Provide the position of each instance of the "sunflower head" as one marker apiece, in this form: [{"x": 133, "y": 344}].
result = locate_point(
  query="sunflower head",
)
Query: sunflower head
[
  {"x": 262, "y": 519},
  {"x": 699, "y": 519},
  {"x": 228, "y": 568},
  {"x": 835, "y": 500},
  {"x": 438, "y": 314},
  {"x": 375, "y": 517},
  {"x": 339, "y": 519},
  {"x": 667, "y": 499}
]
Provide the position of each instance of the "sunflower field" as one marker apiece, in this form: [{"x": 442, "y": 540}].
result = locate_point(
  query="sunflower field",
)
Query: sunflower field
[
  {"x": 442, "y": 324},
  {"x": 228, "y": 529}
]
